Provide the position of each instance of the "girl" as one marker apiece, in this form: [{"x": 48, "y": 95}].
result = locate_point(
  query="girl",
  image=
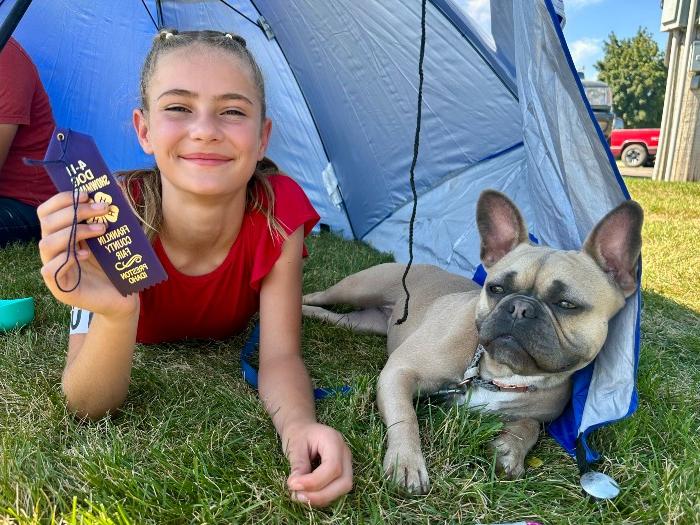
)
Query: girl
[{"x": 229, "y": 235}]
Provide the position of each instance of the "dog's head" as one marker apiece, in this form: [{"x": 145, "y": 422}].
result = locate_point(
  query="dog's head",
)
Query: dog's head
[{"x": 545, "y": 311}]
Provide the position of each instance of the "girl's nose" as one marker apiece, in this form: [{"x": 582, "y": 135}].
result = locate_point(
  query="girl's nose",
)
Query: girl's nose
[{"x": 205, "y": 128}]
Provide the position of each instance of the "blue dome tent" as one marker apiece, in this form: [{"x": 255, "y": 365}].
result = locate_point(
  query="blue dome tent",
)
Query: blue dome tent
[{"x": 502, "y": 108}]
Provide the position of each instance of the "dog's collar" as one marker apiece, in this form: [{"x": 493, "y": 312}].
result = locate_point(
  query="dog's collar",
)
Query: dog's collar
[{"x": 473, "y": 379}]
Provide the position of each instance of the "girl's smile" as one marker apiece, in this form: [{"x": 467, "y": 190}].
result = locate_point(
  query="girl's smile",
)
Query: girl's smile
[{"x": 206, "y": 159}]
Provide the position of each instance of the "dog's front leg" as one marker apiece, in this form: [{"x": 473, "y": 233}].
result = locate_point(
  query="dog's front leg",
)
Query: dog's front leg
[
  {"x": 403, "y": 462},
  {"x": 513, "y": 444}
]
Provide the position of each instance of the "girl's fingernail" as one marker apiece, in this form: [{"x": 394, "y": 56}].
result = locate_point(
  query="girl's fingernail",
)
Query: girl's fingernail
[
  {"x": 296, "y": 486},
  {"x": 83, "y": 253},
  {"x": 300, "y": 497},
  {"x": 97, "y": 227},
  {"x": 98, "y": 205}
]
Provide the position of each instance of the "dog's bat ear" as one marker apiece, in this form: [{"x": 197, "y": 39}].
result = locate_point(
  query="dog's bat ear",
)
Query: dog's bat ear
[
  {"x": 500, "y": 224},
  {"x": 615, "y": 244}
]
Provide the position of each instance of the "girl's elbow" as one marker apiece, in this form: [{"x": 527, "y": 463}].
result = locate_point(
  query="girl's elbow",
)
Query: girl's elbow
[{"x": 90, "y": 406}]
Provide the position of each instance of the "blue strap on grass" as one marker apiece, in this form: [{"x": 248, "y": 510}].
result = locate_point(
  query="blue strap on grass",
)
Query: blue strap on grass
[{"x": 250, "y": 374}]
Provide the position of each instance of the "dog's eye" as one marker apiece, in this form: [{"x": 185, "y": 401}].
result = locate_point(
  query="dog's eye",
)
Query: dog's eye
[
  {"x": 495, "y": 288},
  {"x": 566, "y": 305}
]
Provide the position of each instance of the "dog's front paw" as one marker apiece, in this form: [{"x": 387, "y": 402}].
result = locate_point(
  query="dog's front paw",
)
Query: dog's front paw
[
  {"x": 407, "y": 468},
  {"x": 312, "y": 311},
  {"x": 312, "y": 298},
  {"x": 510, "y": 455}
]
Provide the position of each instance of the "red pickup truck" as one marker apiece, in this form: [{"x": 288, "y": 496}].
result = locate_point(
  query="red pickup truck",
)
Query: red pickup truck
[{"x": 635, "y": 147}]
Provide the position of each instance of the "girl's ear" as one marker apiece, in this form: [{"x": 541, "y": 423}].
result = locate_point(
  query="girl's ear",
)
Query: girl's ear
[
  {"x": 264, "y": 138},
  {"x": 141, "y": 126}
]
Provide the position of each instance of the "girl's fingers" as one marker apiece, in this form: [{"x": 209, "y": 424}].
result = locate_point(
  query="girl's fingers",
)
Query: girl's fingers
[
  {"x": 59, "y": 271},
  {"x": 57, "y": 243},
  {"x": 332, "y": 478},
  {"x": 331, "y": 448},
  {"x": 62, "y": 269},
  {"x": 63, "y": 217},
  {"x": 331, "y": 467},
  {"x": 339, "y": 486},
  {"x": 299, "y": 462},
  {"x": 58, "y": 202}
]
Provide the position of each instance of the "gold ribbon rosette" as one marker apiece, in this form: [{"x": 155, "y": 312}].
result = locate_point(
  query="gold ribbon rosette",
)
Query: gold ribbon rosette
[{"x": 112, "y": 213}]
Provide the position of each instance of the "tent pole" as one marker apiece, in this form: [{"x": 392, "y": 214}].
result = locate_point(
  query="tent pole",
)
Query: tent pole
[
  {"x": 16, "y": 14},
  {"x": 161, "y": 20}
]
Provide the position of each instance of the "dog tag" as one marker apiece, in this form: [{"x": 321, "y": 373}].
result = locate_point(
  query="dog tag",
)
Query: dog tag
[{"x": 599, "y": 485}]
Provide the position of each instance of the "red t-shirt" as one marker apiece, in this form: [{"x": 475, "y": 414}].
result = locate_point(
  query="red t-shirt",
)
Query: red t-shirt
[
  {"x": 221, "y": 303},
  {"x": 24, "y": 102}
]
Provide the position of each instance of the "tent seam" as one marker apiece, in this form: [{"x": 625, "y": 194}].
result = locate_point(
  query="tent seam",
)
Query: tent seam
[
  {"x": 440, "y": 182},
  {"x": 502, "y": 75}
]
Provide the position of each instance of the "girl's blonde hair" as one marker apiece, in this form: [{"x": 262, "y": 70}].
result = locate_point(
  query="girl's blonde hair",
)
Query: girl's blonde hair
[{"x": 143, "y": 187}]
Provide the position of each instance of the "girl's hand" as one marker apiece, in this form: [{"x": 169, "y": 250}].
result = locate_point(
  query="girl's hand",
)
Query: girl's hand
[
  {"x": 332, "y": 478},
  {"x": 95, "y": 292}
]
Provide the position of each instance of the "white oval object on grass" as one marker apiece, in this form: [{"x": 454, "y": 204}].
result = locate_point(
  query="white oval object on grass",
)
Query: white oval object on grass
[{"x": 599, "y": 485}]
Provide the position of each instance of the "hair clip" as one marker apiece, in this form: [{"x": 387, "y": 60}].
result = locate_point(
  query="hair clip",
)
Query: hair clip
[{"x": 236, "y": 38}]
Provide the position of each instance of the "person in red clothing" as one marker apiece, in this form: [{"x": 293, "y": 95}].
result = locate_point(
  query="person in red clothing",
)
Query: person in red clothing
[
  {"x": 26, "y": 123},
  {"x": 230, "y": 236}
]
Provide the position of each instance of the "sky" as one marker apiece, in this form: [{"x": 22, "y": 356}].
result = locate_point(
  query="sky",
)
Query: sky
[{"x": 589, "y": 22}]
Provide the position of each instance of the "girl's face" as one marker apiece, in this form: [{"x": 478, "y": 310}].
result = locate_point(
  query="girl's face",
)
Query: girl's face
[{"x": 203, "y": 123}]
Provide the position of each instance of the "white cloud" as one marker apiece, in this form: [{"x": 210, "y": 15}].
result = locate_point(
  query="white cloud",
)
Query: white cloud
[
  {"x": 579, "y": 4},
  {"x": 586, "y": 50},
  {"x": 479, "y": 10}
]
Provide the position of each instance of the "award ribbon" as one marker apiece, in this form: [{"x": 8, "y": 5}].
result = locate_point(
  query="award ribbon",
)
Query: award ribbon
[{"x": 74, "y": 164}]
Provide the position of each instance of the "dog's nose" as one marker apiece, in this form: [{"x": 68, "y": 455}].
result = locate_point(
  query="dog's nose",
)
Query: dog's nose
[{"x": 522, "y": 308}]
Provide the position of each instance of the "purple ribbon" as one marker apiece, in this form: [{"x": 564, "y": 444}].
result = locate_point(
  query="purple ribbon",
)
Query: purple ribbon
[{"x": 74, "y": 164}]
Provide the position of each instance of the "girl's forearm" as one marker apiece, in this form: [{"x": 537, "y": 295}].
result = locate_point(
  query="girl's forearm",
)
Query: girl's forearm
[
  {"x": 285, "y": 389},
  {"x": 96, "y": 380}
]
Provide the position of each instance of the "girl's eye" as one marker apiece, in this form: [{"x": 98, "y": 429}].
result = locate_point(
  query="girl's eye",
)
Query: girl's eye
[
  {"x": 566, "y": 305},
  {"x": 495, "y": 288},
  {"x": 182, "y": 109},
  {"x": 234, "y": 112}
]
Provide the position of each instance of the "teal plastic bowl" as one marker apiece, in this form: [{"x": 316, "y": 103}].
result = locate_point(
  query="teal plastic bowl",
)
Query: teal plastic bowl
[{"x": 16, "y": 312}]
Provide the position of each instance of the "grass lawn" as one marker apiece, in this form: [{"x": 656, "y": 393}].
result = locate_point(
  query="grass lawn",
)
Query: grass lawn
[{"x": 193, "y": 445}]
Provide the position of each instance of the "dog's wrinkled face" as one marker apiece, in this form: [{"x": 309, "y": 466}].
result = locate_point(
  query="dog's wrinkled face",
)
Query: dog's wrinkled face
[{"x": 545, "y": 311}]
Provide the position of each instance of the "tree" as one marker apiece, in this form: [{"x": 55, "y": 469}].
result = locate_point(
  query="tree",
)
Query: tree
[{"x": 635, "y": 71}]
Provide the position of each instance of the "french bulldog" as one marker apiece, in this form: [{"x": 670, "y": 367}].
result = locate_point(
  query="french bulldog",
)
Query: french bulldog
[{"x": 541, "y": 315}]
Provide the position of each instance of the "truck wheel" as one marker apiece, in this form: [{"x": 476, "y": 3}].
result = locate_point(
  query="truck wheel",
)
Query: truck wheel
[{"x": 634, "y": 155}]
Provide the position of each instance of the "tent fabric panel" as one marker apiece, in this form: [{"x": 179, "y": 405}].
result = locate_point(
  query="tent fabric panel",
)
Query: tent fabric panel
[
  {"x": 612, "y": 385},
  {"x": 481, "y": 39},
  {"x": 359, "y": 70},
  {"x": 89, "y": 92},
  {"x": 502, "y": 31},
  {"x": 445, "y": 232},
  {"x": 567, "y": 160}
]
